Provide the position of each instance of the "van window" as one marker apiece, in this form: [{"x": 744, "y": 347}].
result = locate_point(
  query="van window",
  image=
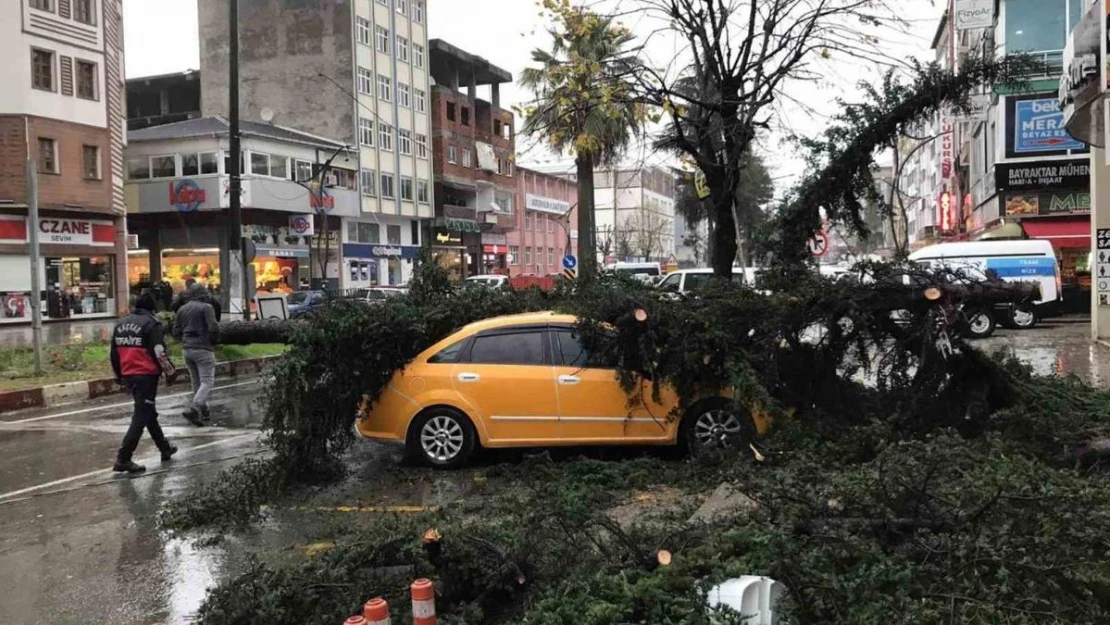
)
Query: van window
[{"x": 672, "y": 282}]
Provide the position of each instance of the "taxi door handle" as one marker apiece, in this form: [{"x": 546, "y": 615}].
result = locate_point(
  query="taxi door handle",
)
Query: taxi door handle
[
  {"x": 568, "y": 379},
  {"x": 469, "y": 377}
]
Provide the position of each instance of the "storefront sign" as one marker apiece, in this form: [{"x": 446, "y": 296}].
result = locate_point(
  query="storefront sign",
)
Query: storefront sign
[
  {"x": 322, "y": 204},
  {"x": 1037, "y": 127},
  {"x": 1044, "y": 175},
  {"x": 546, "y": 204},
  {"x": 301, "y": 225},
  {"x": 364, "y": 250},
  {"x": 57, "y": 231},
  {"x": 946, "y": 147},
  {"x": 445, "y": 237},
  {"x": 971, "y": 14},
  {"x": 946, "y": 212},
  {"x": 977, "y": 107},
  {"x": 187, "y": 196},
  {"x": 1047, "y": 203}
]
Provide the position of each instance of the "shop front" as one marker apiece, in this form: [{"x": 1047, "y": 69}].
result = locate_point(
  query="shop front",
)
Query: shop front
[
  {"x": 449, "y": 251},
  {"x": 495, "y": 253},
  {"x": 1051, "y": 200},
  {"x": 77, "y": 272}
]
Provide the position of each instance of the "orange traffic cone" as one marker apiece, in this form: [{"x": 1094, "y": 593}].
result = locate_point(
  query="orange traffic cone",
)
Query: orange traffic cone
[
  {"x": 423, "y": 602},
  {"x": 355, "y": 620},
  {"x": 376, "y": 612}
]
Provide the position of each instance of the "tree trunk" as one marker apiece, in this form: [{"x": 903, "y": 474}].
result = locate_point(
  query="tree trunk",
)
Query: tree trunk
[
  {"x": 724, "y": 235},
  {"x": 587, "y": 244}
]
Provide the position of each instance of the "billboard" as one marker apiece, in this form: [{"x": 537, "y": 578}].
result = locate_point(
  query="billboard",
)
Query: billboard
[{"x": 1036, "y": 127}]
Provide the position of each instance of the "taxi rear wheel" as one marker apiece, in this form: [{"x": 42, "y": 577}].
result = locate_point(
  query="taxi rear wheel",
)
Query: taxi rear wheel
[{"x": 441, "y": 438}]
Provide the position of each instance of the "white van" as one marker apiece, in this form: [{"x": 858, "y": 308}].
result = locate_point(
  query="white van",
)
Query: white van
[
  {"x": 685, "y": 280},
  {"x": 646, "y": 272},
  {"x": 1031, "y": 260}
]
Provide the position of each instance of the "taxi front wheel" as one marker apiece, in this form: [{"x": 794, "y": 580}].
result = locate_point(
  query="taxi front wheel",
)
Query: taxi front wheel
[{"x": 442, "y": 438}]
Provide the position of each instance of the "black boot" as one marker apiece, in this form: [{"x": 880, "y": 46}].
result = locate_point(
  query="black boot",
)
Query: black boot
[
  {"x": 205, "y": 415},
  {"x": 168, "y": 452},
  {"x": 192, "y": 415},
  {"x": 128, "y": 467}
]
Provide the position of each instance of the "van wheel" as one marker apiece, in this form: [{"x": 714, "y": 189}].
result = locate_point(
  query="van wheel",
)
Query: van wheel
[
  {"x": 980, "y": 324},
  {"x": 442, "y": 438},
  {"x": 1023, "y": 318},
  {"x": 715, "y": 425}
]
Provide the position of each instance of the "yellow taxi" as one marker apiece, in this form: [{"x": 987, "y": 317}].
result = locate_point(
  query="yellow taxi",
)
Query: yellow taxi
[{"x": 526, "y": 381}]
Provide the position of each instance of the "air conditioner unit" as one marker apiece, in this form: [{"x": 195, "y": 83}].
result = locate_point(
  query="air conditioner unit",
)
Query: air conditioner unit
[{"x": 132, "y": 241}]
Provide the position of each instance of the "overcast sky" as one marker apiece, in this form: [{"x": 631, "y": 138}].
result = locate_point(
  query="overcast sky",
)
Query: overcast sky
[{"x": 161, "y": 37}]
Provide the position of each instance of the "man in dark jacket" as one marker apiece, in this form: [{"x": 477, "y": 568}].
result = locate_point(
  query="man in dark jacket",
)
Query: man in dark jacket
[
  {"x": 197, "y": 328},
  {"x": 138, "y": 353}
]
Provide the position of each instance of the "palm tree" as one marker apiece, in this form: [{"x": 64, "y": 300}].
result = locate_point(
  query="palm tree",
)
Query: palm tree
[{"x": 584, "y": 103}]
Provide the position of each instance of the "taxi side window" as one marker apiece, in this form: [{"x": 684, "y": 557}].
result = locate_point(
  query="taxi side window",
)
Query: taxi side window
[
  {"x": 511, "y": 348},
  {"x": 449, "y": 354}
]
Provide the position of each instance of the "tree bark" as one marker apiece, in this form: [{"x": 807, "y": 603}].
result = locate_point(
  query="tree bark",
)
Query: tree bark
[
  {"x": 587, "y": 243},
  {"x": 724, "y": 235}
]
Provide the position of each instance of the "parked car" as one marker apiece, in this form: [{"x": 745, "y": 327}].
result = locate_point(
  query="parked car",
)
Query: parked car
[
  {"x": 686, "y": 280},
  {"x": 301, "y": 304},
  {"x": 491, "y": 280},
  {"x": 646, "y": 272},
  {"x": 378, "y": 294},
  {"x": 1012, "y": 261},
  {"x": 527, "y": 381}
]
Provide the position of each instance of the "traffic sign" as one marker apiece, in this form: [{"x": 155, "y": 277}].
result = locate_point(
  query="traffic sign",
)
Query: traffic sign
[
  {"x": 672, "y": 264},
  {"x": 570, "y": 274},
  {"x": 570, "y": 262},
  {"x": 701, "y": 186},
  {"x": 819, "y": 244}
]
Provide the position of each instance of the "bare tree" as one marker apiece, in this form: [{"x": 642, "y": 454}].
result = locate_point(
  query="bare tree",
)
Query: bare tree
[
  {"x": 622, "y": 240},
  {"x": 605, "y": 240},
  {"x": 646, "y": 229},
  {"x": 739, "y": 56}
]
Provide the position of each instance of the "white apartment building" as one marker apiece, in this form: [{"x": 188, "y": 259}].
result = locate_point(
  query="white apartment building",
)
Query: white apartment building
[
  {"x": 353, "y": 70},
  {"x": 63, "y": 106}
]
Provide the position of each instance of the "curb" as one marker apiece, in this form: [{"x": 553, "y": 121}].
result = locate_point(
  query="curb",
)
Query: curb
[{"x": 73, "y": 392}]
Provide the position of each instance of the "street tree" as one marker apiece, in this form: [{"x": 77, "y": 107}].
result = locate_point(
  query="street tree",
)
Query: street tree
[
  {"x": 647, "y": 229},
  {"x": 584, "y": 102}
]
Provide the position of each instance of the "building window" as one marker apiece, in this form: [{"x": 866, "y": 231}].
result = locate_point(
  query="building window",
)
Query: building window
[
  {"x": 452, "y": 154},
  {"x": 382, "y": 38},
  {"x": 418, "y": 11},
  {"x": 86, "y": 80},
  {"x": 527, "y": 256},
  {"x": 466, "y": 161},
  {"x": 550, "y": 256},
  {"x": 304, "y": 171},
  {"x": 393, "y": 235},
  {"x": 384, "y": 86},
  {"x": 450, "y": 111},
  {"x": 504, "y": 167},
  {"x": 1036, "y": 25},
  {"x": 363, "y": 26},
  {"x": 404, "y": 141},
  {"x": 260, "y": 164},
  {"x": 527, "y": 220},
  {"x": 420, "y": 100},
  {"x": 385, "y": 136},
  {"x": 138, "y": 168},
  {"x": 422, "y": 146},
  {"x": 48, "y": 156},
  {"x": 406, "y": 188},
  {"x": 384, "y": 3},
  {"x": 514, "y": 254},
  {"x": 42, "y": 69},
  {"x": 402, "y": 49},
  {"x": 163, "y": 166},
  {"x": 203, "y": 163},
  {"x": 403, "y": 95},
  {"x": 414, "y": 231},
  {"x": 366, "y": 132},
  {"x": 402, "y": 6},
  {"x": 465, "y": 116},
  {"x": 279, "y": 167},
  {"x": 387, "y": 185},
  {"x": 497, "y": 127},
  {"x": 43, "y": 5},
  {"x": 507, "y": 130},
  {"x": 550, "y": 224},
  {"x": 418, "y": 55},
  {"x": 366, "y": 183},
  {"x": 83, "y": 11},
  {"x": 361, "y": 232},
  {"x": 422, "y": 191},
  {"x": 365, "y": 81}
]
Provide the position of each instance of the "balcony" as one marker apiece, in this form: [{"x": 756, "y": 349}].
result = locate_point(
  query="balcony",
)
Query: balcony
[{"x": 1051, "y": 63}]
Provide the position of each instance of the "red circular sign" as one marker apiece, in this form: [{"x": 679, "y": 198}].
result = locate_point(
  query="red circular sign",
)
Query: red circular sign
[
  {"x": 819, "y": 244},
  {"x": 301, "y": 225}
]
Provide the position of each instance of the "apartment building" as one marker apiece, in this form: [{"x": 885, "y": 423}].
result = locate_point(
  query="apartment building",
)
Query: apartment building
[
  {"x": 62, "y": 106},
  {"x": 356, "y": 71},
  {"x": 546, "y": 226},
  {"x": 473, "y": 143}
]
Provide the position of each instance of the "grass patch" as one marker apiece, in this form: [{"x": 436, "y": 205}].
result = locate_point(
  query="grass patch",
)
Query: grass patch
[{"x": 89, "y": 361}]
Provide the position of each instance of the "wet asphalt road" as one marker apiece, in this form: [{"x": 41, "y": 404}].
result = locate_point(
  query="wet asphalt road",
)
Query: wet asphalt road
[{"x": 78, "y": 545}]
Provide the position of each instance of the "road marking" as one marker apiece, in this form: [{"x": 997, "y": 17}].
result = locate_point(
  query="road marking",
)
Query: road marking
[
  {"x": 73, "y": 478},
  {"x": 385, "y": 509},
  {"x": 117, "y": 405}
]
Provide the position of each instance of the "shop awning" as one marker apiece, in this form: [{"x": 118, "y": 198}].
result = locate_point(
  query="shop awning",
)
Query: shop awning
[{"x": 1062, "y": 233}]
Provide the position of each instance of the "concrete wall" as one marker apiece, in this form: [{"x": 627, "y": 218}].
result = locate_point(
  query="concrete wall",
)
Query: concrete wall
[{"x": 284, "y": 45}]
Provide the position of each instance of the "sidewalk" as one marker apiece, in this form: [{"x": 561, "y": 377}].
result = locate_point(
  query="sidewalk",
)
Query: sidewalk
[{"x": 56, "y": 333}]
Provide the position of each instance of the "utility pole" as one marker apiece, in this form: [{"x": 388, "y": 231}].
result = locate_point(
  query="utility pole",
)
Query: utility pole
[
  {"x": 235, "y": 223},
  {"x": 36, "y": 287}
]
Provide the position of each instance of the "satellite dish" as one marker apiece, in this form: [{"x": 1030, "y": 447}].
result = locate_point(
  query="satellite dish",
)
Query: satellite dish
[{"x": 267, "y": 114}]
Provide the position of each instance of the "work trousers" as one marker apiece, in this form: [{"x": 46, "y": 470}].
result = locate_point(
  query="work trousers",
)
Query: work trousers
[{"x": 144, "y": 390}]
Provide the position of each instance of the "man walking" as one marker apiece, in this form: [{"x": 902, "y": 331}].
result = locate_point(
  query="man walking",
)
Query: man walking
[
  {"x": 198, "y": 330},
  {"x": 138, "y": 351}
]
